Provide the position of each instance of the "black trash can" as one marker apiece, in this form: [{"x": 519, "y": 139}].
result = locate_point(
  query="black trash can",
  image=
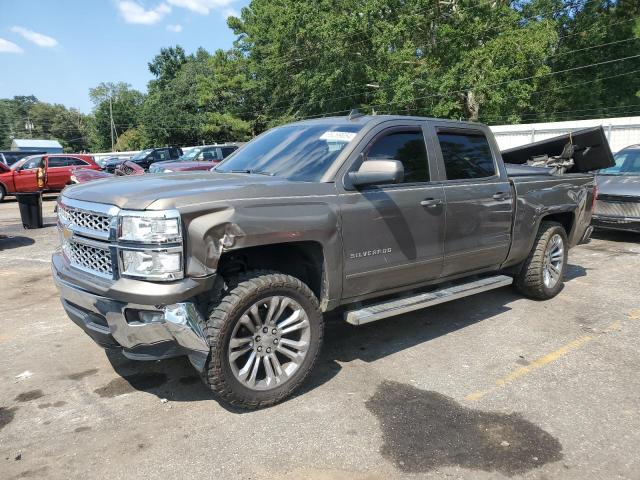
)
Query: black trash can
[{"x": 30, "y": 209}]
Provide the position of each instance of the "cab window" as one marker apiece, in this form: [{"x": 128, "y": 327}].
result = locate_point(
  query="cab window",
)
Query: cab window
[
  {"x": 466, "y": 155},
  {"x": 408, "y": 147}
]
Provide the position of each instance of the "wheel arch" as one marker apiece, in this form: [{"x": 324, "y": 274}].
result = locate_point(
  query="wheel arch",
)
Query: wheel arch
[
  {"x": 566, "y": 219},
  {"x": 304, "y": 260}
]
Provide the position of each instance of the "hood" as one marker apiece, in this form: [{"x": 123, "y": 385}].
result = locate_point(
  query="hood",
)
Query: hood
[
  {"x": 619, "y": 185},
  {"x": 185, "y": 190}
]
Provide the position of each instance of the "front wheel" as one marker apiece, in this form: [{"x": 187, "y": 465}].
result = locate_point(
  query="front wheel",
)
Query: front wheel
[
  {"x": 264, "y": 335},
  {"x": 542, "y": 274}
]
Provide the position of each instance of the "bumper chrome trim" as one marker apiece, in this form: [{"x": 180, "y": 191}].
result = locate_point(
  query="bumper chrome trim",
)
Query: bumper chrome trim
[{"x": 180, "y": 329}]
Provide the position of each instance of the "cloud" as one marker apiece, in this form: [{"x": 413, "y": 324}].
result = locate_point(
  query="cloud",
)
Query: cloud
[
  {"x": 230, "y": 12},
  {"x": 174, "y": 28},
  {"x": 203, "y": 7},
  {"x": 9, "y": 47},
  {"x": 35, "y": 37},
  {"x": 133, "y": 12}
]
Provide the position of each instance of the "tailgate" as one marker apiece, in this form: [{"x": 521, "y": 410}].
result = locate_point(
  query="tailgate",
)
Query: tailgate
[{"x": 591, "y": 152}]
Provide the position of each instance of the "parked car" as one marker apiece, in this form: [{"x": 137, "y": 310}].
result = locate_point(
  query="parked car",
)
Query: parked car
[
  {"x": 146, "y": 158},
  {"x": 21, "y": 177},
  {"x": 369, "y": 216},
  {"x": 102, "y": 162},
  {"x": 11, "y": 156},
  {"x": 199, "y": 158},
  {"x": 618, "y": 203},
  {"x": 126, "y": 168}
]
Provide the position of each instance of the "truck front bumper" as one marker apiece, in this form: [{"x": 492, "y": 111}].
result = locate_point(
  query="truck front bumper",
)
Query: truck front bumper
[{"x": 171, "y": 330}]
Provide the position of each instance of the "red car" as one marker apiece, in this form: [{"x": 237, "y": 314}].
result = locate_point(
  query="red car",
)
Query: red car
[
  {"x": 21, "y": 176},
  {"x": 126, "y": 168}
]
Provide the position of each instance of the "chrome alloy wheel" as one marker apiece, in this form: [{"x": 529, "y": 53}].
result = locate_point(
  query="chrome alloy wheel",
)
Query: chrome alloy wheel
[
  {"x": 553, "y": 261},
  {"x": 269, "y": 343}
]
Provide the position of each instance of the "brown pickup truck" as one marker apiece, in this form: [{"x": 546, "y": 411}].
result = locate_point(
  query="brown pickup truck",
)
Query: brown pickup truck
[{"x": 367, "y": 216}]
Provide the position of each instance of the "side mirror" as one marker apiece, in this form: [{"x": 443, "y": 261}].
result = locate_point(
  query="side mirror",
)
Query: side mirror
[{"x": 376, "y": 172}]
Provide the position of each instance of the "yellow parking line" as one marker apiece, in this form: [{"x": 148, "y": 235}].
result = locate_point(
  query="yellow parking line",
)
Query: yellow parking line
[
  {"x": 548, "y": 358},
  {"x": 536, "y": 364}
]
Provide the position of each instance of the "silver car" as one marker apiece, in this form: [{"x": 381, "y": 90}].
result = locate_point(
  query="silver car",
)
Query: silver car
[{"x": 618, "y": 203}]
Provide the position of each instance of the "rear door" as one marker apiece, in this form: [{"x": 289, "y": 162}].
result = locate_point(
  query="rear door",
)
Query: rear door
[
  {"x": 58, "y": 172},
  {"x": 478, "y": 196},
  {"x": 392, "y": 234}
]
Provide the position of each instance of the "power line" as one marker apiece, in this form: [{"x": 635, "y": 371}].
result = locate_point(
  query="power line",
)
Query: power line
[
  {"x": 364, "y": 92},
  {"x": 454, "y": 92}
]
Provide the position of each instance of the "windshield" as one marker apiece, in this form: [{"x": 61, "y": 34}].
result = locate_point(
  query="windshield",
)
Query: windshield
[
  {"x": 296, "y": 152},
  {"x": 142, "y": 155},
  {"x": 190, "y": 155},
  {"x": 627, "y": 163}
]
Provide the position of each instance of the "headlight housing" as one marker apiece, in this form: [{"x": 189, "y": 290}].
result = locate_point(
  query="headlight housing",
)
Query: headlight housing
[
  {"x": 150, "y": 226},
  {"x": 150, "y": 244},
  {"x": 149, "y": 264}
]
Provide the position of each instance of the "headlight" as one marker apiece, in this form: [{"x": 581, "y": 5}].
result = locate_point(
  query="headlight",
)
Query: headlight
[
  {"x": 152, "y": 264},
  {"x": 73, "y": 179},
  {"x": 166, "y": 170},
  {"x": 150, "y": 227}
]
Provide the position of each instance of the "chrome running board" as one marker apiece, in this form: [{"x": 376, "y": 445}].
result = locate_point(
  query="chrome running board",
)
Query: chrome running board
[{"x": 381, "y": 310}]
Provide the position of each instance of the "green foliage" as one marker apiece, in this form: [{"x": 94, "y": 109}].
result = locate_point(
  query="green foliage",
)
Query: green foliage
[
  {"x": 118, "y": 100},
  {"x": 495, "y": 61},
  {"x": 47, "y": 121},
  {"x": 132, "y": 139}
]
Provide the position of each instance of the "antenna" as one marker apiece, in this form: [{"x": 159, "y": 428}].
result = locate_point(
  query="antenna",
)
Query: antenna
[{"x": 354, "y": 113}]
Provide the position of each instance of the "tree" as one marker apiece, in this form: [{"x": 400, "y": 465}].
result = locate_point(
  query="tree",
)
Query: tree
[
  {"x": 26, "y": 117},
  {"x": 118, "y": 101},
  {"x": 194, "y": 104},
  {"x": 132, "y": 139},
  {"x": 166, "y": 65}
]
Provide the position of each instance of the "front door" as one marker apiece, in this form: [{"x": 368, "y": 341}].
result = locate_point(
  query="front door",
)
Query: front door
[
  {"x": 25, "y": 178},
  {"x": 393, "y": 234},
  {"x": 479, "y": 201}
]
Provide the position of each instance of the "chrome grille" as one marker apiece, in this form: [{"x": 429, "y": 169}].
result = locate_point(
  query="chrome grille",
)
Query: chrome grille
[
  {"x": 617, "y": 209},
  {"x": 88, "y": 257},
  {"x": 86, "y": 220}
]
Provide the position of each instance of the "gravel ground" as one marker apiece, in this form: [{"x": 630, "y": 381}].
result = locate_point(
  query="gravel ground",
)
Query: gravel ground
[{"x": 490, "y": 386}]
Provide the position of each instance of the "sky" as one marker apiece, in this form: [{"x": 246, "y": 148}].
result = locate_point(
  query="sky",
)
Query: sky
[{"x": 58, "y": 49}]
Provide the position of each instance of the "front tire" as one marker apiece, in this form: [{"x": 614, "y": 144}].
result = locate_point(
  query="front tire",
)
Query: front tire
[
  {"x": 3, "y": 193},
  {"x": 542, "y": 274},
  {"x": 264, "y": 337}
]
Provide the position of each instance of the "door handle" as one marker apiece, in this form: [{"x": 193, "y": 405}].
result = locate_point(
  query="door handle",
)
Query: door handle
[
  {"x": 431, "y": 202},
  {"x": 500, "y": 196}
]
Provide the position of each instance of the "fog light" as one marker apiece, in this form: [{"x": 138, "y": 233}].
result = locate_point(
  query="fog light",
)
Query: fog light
[{"x": 147, "y": 316}]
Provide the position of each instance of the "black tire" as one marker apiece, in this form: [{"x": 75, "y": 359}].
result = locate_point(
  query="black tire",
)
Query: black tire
[
  {"x": 244, "y": 291},
  {"x": 3, "y": 193},
  {"x": 530, "y": 279}
]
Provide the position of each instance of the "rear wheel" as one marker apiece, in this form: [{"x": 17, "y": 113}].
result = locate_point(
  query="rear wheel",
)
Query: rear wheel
[
  {"x": 3, "y": 193},
  {"x": 265, "y": 336},
  {"x": 543, "y": 271}
]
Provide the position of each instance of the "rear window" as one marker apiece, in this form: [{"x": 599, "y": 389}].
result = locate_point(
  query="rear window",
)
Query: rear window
[{"x": 466, "y": 155}]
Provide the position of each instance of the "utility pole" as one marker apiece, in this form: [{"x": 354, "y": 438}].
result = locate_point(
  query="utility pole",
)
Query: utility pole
[
  {"x": 111, "y": 122},
  {"x": 28, "y": 125}
]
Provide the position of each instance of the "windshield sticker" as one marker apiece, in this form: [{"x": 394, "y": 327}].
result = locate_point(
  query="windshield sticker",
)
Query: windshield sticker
[{"x": 337, "y": 136}]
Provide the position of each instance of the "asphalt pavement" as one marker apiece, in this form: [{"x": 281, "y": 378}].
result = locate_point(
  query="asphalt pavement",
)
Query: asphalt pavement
[{"x": 491, "y": 386}]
